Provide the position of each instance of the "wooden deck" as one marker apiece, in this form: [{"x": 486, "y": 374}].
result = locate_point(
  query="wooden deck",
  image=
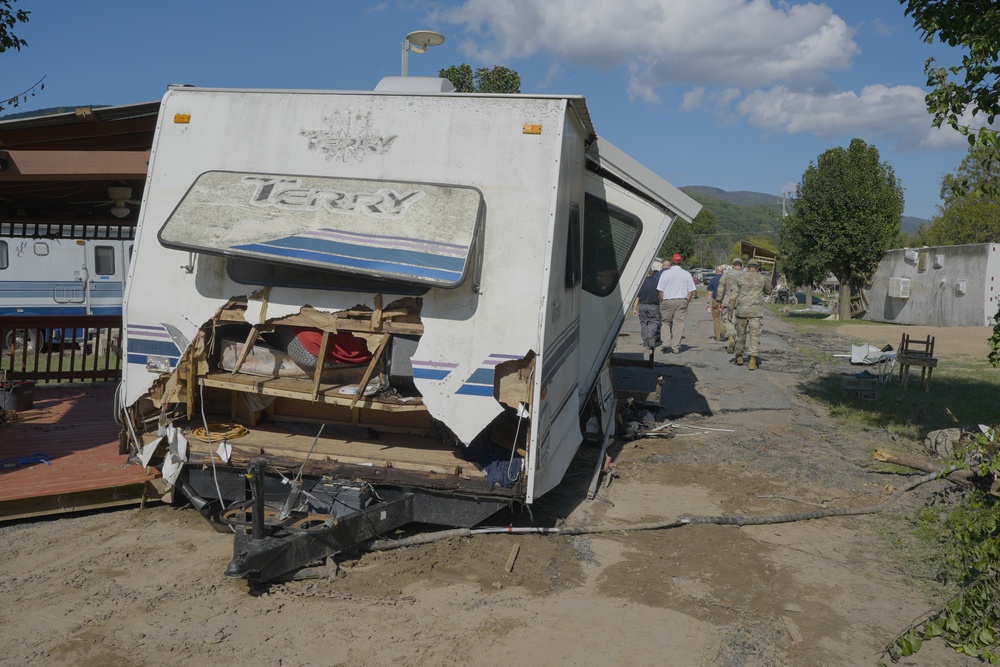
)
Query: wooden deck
[{"x": 62, "y": 456}]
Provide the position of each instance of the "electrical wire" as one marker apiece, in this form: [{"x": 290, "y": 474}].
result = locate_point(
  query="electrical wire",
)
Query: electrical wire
[
  {"x": 221, "y": 432},
  {"x": 208, "y": 439}
]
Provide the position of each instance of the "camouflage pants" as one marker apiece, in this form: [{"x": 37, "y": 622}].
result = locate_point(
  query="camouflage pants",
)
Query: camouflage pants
[
  {"x": 727, "y": 324},
  {"x": 748, "y": 335}
]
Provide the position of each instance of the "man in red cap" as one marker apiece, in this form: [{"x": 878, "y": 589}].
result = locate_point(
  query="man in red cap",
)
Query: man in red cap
[{"x": 675, "y": 289}]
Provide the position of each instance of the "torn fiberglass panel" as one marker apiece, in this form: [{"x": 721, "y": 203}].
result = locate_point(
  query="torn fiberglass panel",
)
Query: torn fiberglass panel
[{"x": 388, "y": 230}]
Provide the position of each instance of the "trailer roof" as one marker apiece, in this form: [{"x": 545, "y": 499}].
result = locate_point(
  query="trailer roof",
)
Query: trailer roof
[
  {"x": 576, "y": 102},
  {"x": 611, "y": 158}
]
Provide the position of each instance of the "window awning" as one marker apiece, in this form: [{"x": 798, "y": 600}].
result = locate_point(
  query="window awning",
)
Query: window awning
[{"x": 390, "y": 230}]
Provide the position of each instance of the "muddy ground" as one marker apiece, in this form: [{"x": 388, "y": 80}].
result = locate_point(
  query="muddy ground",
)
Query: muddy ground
[{"x": 145, "y": 587}]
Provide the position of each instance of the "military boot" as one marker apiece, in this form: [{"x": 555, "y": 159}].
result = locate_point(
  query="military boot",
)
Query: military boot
[
  {"x": 731, "y": 347},
  {"x": 739, "y": 359},
  {"x": 753, "y": 363}
]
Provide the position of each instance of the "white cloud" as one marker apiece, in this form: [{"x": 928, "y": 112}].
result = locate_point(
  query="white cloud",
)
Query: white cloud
[
  {"x": 725, "y": 42},
  {"x": 693, "y": 99},
  {"x": 896, "y": 112},
  {"x": 882, "y": 28}
]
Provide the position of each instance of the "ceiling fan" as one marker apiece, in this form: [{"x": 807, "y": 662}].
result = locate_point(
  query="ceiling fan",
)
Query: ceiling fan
[{"x": 118, "y": 197}]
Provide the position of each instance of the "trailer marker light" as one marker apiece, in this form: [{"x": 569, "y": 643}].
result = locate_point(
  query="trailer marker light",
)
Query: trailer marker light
[
  {"x": 531, "y": 129},
  {"x": 80, "y": 242},
  {"x": 182, "y": 118}
]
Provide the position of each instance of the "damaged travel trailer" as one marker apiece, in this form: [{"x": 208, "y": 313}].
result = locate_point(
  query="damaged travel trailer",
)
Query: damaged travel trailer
[{"x": 349, "y": 311}]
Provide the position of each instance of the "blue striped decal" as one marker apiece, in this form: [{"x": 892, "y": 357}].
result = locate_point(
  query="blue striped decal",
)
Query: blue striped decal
[
  {"x": 155, "y": 347},
  {"x": 384, "y": 267},
  {"x": 144, "y": 340},
  {"x": 430, "y": 373},
  {"x": 475, "y": 390},
  {"x": 431, "y": 370},
  {"x": 51, "y": 310},
  {"x": 398, "y": 256},
  {"x": 480, "y": 383}
]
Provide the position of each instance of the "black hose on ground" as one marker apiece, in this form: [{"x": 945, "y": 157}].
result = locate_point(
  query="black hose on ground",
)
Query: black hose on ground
[{"x": 426, "y": 538}]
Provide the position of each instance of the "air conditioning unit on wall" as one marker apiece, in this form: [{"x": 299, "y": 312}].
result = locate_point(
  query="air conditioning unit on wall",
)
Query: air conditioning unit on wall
[{"x": 899, "y": 288}]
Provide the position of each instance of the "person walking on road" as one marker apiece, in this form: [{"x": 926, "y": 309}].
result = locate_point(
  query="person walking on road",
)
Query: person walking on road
[
  {"x": 716, "y": 302},
  {"x": 726, "y": 286},
  {"x": 675, "y": 288},
  {"x": 746, "y": 301},
  {"x": 647, "y": 307}
]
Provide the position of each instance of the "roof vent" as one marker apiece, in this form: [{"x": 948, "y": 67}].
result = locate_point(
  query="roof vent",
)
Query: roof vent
[{"x": 414, "y": 84}]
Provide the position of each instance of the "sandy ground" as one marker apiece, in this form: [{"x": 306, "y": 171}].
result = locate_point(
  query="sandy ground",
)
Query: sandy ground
[{"x": 145, "y": 587}]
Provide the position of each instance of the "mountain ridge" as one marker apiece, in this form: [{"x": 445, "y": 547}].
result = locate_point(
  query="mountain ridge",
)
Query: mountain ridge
[{"x": 711, "y": 197}]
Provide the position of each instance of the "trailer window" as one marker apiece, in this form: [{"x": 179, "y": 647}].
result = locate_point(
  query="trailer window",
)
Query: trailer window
[
  {"x": 609, "y": 236},
  {"x": 3, "y": 255},
  {"x": 41, "y": 248},
  {"x": 104, "y": 260},
  {"x": 387, "y": 231}
]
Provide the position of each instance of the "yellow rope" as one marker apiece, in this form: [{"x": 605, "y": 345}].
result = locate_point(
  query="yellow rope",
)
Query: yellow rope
[{"x": 220, "y": 432}]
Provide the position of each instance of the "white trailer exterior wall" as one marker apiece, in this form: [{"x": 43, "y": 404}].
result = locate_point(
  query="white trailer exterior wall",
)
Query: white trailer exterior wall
[{"x": 937, "y": 286}]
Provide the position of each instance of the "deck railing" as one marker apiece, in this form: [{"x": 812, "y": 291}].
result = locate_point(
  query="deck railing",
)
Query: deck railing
[{"x": 61, "y": 348}]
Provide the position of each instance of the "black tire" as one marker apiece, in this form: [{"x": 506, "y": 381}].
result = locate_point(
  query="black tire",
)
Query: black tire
[{"x": 24, "y": 340}]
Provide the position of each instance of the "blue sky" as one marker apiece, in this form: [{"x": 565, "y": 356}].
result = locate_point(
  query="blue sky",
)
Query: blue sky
[{"x": 735, "y": 94}]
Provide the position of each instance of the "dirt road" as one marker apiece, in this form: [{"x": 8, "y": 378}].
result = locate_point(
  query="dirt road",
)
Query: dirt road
[{"x": 145, "y": 587}]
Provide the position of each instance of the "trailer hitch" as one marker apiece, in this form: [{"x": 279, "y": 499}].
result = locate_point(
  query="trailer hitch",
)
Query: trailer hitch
[{"x": 270, "y": 551}]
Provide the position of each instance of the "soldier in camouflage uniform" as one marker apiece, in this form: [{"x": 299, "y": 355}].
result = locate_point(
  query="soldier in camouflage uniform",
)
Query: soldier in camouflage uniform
[
  {"x": 746, "y": 301},
  {"x": 726, "y": 286}
]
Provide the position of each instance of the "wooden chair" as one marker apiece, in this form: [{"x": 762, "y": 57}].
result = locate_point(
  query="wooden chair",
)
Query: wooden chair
[{"x": 913, "y": 352}]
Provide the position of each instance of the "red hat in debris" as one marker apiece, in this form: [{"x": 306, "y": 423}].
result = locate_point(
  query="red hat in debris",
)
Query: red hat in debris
[{"x": 676, "y": 259}]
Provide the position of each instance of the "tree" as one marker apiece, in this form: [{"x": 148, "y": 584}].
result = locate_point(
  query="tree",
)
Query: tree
[
  {"x": 9, "y": 18},
  {"x": 972, "y": 25},
  {"x": 703, "y": 229},
  {"x": 679, "y": 241},
  {"x": 969, "y": 213},
  {"x": 800, "y": 262},
  {"x": 847, "y": 211},
  {"x": 499, "y": 79}
]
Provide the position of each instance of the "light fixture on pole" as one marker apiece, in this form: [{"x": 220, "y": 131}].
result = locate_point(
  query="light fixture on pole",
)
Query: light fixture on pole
[{"x": 419, "y": 41}]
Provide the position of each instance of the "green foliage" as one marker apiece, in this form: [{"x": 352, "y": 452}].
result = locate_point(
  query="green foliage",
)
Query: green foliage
[
  {"x": 679, "y": 240},
  {"x": 994, "y": 355},
  {"x": 705, "y": 242},
  {"x": 735, "y": 216},
  {"x": 498, "y": 79},
  {"x": 800, "y": 264},
  {"x": 970, "y": 209},
  {"x": 9, "y": 18},
  {"x": 737, "y": 219},
  {"x": 460, "y": 77},
  {"x": 973, "y": 25},
  {"x": 847, "y": 212},
  {"x": 967, "y": 536}
]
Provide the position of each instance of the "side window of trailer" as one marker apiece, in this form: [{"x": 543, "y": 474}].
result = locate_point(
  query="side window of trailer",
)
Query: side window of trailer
[
  {"x": 609, "y": 236},
  {"x": 4, "y": 262},
  {"x": 104, "y": 260}
]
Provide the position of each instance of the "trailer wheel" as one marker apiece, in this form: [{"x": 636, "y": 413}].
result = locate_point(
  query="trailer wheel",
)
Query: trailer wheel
[{"x": 23, "y": 340}]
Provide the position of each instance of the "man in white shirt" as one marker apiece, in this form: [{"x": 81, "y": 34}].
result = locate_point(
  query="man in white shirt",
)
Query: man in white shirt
[{"x": 675, "y": 289}]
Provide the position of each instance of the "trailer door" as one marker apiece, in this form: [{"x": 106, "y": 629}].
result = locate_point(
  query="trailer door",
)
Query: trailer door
[
  {"x": 622, "y": 233},
  {"x": 106, "y": 266}
]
